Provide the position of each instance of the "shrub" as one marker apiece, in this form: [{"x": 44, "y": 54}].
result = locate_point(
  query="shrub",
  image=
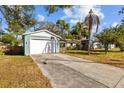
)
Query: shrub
[{"x": 14, "y": 50}]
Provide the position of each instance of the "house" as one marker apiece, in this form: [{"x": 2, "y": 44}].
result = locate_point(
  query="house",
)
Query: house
[
  {"x": 99, "y": 45},
  {"x": 42, "y": 41},
  {"x": 71, "y": 42}
]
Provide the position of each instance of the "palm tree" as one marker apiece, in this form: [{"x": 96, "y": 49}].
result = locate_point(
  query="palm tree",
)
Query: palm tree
[
  {"x": 90, "y": 20},
  {"x": 1, "y": 33}
]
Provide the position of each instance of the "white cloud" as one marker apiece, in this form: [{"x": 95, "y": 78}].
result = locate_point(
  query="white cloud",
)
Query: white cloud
[
  {"x": 68, "y": 12},
  {"x": 81, "y": 11},
  {"x": 40, "y": 17},
  {"x": 114, "y": 24},
  {"x": 73, "y": 21}
]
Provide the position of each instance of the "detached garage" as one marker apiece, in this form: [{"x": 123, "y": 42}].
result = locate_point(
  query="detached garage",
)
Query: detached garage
[{"x": 40, "y": 42}]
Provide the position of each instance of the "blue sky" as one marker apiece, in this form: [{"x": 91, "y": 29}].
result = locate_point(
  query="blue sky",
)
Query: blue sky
[{"x": 108, "y": 15}]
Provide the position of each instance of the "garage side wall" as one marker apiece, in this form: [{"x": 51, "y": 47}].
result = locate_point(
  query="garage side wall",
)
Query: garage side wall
[
  {"x": 57, "y": 45},
  {"x": 27, "y": 44}
]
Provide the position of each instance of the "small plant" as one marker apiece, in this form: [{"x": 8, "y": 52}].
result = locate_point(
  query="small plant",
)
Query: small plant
[{"x": 2, "y": 49}]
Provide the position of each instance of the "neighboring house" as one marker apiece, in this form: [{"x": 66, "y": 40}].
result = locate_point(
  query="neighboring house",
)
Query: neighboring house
[
  {"x": 42, "y": 41},
  {"x": 71, "y": 42},
  {"x": 99, "y": 45},
  {"x": 112, "y": 46}
]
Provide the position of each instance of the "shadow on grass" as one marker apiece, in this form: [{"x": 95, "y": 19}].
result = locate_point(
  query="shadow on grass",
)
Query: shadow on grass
[
  {"x": 118, "y": 60},
  {"x": 86, "y": 53},
  {"x": 93, "y": 52},
  {"x": 113, "y": 51}
]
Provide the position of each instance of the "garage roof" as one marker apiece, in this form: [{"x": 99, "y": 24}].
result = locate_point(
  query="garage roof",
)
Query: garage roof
[{"x": 39, "y": 31}]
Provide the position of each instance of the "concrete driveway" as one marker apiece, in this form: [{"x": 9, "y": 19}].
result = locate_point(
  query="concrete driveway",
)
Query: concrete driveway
[{"x": 72, "y": 72}]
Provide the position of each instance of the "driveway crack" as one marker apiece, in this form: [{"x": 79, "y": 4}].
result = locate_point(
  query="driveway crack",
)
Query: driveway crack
[{"x": 118, "y": 81}]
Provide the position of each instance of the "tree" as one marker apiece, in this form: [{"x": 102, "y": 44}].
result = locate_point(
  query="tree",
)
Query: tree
[
  {"x": 119, "y": 40},
  {"x": 122, "y": 12},
  {"x": 70, "y": 36},
  {"x": 9, "y": 39},
  {"x": 112, "y": 35},
  {"x": 63, "y": 27},
  {"x": 90, "y": 20},
  {"x": 77, "y": 30},
  {"x": 19, "y": 18},
  {"x": 49, "y": 26},
  {"x": 54, "y": 8},
  {"x": 106, "y": 37},
  {"x": 44, "y": 25}
]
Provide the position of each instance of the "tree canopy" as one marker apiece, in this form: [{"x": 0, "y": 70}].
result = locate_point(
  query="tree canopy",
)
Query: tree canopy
[
  {"x": 112, "y": 35},
  {"x": 19, "y": 18},
  {"x": 54, "y": 8},
  {"x": 63, "y": 27},
  {"x": 122, "y": 13},
  {"x": 77, "y": 31}
]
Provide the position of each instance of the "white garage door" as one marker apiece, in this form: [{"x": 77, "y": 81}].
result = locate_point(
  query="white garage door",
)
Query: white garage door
[{"x": 41, "y": 46}]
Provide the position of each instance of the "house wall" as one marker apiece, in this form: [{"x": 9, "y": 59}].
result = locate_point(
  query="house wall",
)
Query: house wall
[
  {"x": 57, "y": 45},
  {"x": 27, "y": 44},
  {"x": 70, "y": 44},
  {"x": 112, "y": 46}
]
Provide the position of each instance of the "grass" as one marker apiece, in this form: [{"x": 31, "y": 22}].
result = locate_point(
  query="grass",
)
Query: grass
[
  {"x": 1, "y": 51},
  {"x": 21, "y": 72},
  {"x": 113, "y": 57}
]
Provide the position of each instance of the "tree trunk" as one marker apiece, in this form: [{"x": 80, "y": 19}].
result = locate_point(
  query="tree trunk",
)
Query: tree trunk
[
  {"x": 121, "y": 48},
  {"x": 89, "y": 44},
  {"x": 106, "y": 48},
  {"x": 63, "y": 34}
]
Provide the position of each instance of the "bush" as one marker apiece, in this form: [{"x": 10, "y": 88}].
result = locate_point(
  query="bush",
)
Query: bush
[{"x": 14, "y": 50}]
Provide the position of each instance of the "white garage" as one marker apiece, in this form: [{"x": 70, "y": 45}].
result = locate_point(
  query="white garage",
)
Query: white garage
[{"x": 40, "y": 42}]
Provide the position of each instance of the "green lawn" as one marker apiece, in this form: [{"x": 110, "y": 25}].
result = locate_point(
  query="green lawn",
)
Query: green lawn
[
  {"x": 21, "y": 71},
  {"x": 113, "y": 57}
]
